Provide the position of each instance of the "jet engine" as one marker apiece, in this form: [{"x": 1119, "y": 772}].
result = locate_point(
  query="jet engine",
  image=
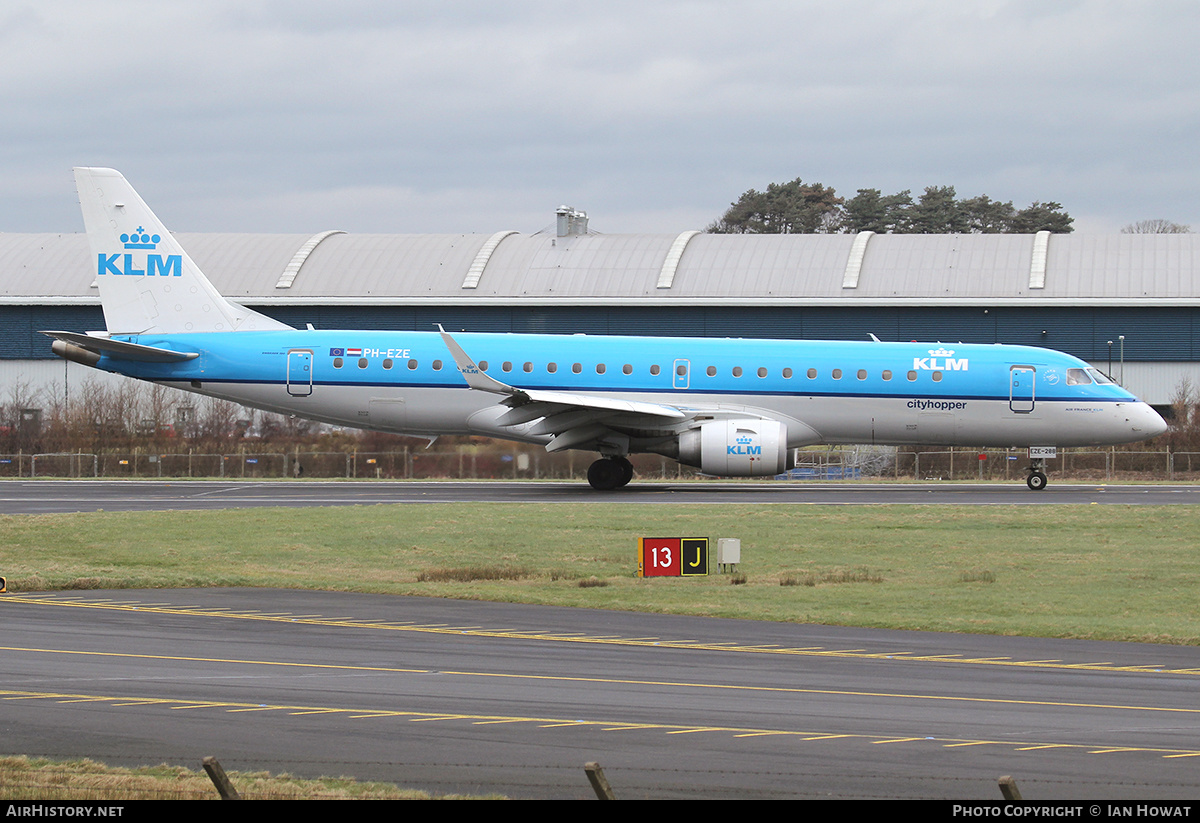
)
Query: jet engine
[{"x": 737, "y": 448}]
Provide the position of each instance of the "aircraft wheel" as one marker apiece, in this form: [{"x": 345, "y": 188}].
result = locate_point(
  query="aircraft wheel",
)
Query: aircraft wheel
[
  {"x": 605, "y": 474},
  {"x": 1036, "y": 481},
  {"x": 626, "y": 469}
]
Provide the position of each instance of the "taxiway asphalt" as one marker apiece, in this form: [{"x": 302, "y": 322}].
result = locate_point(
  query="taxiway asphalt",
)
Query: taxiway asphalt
[{"x": 484, "y": 698}]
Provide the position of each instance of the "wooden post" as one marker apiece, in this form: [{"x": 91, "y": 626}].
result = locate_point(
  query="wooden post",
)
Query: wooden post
[
  {"x": 217, "y": 775},
  {"x": 1008, "y": 788},
  {"x": 599, "y": 783}
]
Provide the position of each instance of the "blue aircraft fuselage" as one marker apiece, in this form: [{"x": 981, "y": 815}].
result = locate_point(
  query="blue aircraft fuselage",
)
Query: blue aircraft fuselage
[{"x": 846, "y": 391}]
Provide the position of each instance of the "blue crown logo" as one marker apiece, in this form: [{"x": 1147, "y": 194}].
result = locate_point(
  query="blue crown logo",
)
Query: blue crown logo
[
  {"x": 140, "y": 240},
  {"x": 941, "y": 352},
  {"x": 743, "y": 441}
]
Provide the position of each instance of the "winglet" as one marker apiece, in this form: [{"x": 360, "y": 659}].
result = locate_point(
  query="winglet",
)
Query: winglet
[{"x": 475, "y": 378}]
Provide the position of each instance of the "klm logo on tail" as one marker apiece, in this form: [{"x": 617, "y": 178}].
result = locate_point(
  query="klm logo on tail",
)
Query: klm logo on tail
[{"x": 154, "y": 265}]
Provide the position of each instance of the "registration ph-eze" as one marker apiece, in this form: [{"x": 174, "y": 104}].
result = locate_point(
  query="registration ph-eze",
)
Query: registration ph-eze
[{"x": 396, "y": 354}]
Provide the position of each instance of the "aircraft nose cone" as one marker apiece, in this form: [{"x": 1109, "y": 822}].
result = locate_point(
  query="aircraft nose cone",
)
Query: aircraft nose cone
[
  {"x": 1158, "y": 426},
  {"x": 1149, "y": 422}
]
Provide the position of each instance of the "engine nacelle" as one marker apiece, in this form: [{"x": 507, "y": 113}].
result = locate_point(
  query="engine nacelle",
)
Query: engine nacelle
[{"x": 737, "y": 448}]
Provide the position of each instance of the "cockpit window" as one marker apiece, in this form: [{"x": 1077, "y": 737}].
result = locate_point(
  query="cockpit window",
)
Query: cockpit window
[
  {"x": 1077, "y": 377},
  {"x": 1100, "y": 377}
]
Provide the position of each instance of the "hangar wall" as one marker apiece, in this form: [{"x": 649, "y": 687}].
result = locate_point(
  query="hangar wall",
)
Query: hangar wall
[{"x": 1069, "y": 292}]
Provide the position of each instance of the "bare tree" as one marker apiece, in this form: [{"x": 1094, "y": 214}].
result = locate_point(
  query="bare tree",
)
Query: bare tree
[{"x": 1156, "y": 226}]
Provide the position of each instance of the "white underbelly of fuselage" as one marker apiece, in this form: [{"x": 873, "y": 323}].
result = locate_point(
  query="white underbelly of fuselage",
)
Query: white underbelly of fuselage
[{"x": 892, "y": 421}]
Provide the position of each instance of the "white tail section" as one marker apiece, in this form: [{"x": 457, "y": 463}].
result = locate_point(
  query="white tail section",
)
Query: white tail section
[{"x": 148, "y": 283}]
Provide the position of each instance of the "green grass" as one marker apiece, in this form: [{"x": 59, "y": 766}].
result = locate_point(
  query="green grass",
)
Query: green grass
[
  {"x": 1063, "y": 571},
  {"x": 38, "y": 779}
]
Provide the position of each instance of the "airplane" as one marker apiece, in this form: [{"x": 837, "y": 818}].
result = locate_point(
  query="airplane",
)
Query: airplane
[{"x": 730, "y": 407}]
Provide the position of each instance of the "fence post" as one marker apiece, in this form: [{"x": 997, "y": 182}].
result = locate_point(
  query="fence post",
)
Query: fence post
[
  {"x": 600, "y": 786},
  {"x": 1008, "y": 788},
  {"x": 217, "y": 775}
]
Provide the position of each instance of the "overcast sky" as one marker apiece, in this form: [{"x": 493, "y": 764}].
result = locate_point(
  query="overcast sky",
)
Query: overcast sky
[{"x": 476, "y": 116}]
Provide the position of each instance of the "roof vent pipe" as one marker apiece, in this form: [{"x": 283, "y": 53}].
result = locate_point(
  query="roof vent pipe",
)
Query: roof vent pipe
[{"x": 571, "y": 222}]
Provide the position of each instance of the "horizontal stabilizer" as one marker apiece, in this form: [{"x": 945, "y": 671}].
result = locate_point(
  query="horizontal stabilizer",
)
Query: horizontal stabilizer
[{"x": 120, "y": 350}]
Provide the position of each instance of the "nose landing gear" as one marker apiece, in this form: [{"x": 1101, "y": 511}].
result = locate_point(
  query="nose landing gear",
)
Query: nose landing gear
[{"x": 1036, "y": 480}]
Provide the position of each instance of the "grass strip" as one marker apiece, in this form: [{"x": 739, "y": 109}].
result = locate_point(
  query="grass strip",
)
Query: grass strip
[
  {"x": 39, "y": 779},
  {"x": 1112, "y": 572}
]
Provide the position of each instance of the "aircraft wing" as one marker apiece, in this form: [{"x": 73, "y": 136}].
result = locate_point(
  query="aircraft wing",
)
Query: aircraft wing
[{"x": 573, "y": 420}]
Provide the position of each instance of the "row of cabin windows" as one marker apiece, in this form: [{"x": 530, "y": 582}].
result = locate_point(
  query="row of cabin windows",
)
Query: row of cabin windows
[
  {"x": 681, "y": 369},
  {"x": 387, "y": 363}
]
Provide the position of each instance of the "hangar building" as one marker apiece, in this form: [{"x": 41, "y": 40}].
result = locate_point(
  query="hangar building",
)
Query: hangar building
[{"x": 1128, "y": 303}]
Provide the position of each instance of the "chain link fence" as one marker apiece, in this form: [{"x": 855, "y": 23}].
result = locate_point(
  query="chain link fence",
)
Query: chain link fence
[{"x": 515, "y": 464}]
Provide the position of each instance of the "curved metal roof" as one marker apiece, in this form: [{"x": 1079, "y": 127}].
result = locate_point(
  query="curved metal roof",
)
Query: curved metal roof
[{"x": 646, "y": 269}]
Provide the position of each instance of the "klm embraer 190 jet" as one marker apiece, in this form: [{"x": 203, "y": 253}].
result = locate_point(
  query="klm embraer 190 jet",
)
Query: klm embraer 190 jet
[{"x": 733, "y": 408}]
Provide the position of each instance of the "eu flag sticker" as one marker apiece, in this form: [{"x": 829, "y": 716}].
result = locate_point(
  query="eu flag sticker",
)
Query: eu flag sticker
[{"x": 337, "y": 352}]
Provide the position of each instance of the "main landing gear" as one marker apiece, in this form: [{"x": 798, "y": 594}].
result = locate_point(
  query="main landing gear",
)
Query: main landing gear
[
  {"x": 610, "y": 473},
  {"x": 1037, "y": 475}
]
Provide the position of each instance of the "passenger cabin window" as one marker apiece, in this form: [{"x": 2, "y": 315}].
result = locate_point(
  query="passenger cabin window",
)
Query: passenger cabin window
[
  {"x": 577, "y": 368},
  {"x": 862, "y": 374},
  {"x": 412, "y": 363},
  {"x": 387, "y": 363},
  {"x": 482, "y": 365},
  {"x": 762, "y": 372},
  {"x": 627, "y": 369},
  {"x": 655, "y": 369},
  {"x": 551, "y": 367},
  {"x": 787, "y": 373},
  {"x": 812, "y": 374},
  {"x": 437, "y": 365},
  {"x": 837, "y": 374},
  {"x": 527, "y": 368},
  {"x": 912, "y": 375},
  {"x": 937, "y": 377},
  {"x": 711, "y": 371},
  {"x": 887, "y": 374},
  {"x": 506, "y": 366},
  {"x": 362, "y": 362},
  {"x": 337, "y": 362},
  {"x": 1078, "y": 377},
  {"x": 737, "y": 371}
]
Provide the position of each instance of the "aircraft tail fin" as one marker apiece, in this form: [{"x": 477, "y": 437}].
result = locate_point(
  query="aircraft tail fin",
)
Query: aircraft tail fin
[{"x": 148, "y": 283}]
